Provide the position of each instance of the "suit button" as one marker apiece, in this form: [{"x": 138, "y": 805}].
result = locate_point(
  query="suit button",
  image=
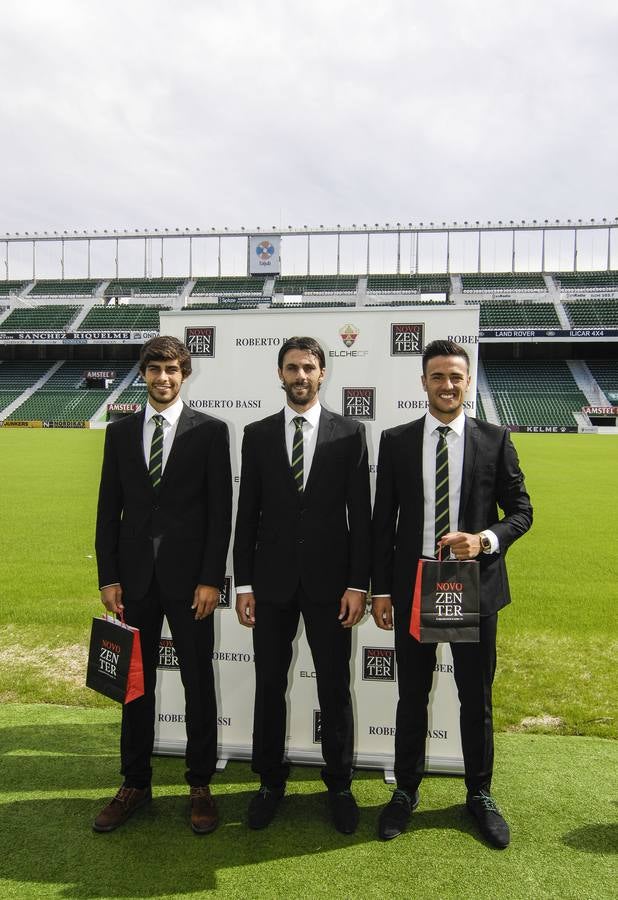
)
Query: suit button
[
  {"x": 300, "y": 541},
  {"x": 155, "y": 507}
]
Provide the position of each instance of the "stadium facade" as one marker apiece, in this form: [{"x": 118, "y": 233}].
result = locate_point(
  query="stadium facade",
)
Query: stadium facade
[{"x": 547, "y": 294}]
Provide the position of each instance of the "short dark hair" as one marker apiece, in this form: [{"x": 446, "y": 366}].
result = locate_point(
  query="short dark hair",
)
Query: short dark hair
[
  {"x": 302, "y": 343},
  {"x": 165, "y": 347},
  {"x": 444, "y": 348}
]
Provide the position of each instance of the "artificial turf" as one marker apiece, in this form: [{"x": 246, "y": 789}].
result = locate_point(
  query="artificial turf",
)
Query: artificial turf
[{"x": 60, "y": 764}]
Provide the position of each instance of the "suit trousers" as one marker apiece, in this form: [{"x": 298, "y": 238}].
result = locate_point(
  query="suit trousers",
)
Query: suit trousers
[
  {"x": 330, "y": 644},
  {"x": 193, "y": 642},
  {"x": 474, "y": 667}
]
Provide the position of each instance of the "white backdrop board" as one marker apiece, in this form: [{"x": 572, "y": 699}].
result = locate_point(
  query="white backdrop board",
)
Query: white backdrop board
[{"x": 373, "y": 360}]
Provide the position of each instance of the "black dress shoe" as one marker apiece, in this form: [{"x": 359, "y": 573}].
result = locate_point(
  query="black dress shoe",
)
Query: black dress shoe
[
  {"x": 396, "y": 814},
  {"x": 121, "y": 807},
  {"x": 489, "y": 819},
  {"x": 343, "y": 811},
  {"x": 263, "y": 806}
]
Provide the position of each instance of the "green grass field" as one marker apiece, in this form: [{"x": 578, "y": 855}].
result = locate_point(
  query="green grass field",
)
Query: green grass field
[
  {"x": 556, "y": 664},
  {"x": 557, "y": 640}
]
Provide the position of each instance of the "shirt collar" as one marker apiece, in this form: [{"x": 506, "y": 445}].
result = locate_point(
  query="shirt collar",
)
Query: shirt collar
[
  {"x": 312, "y": 415},
  {"x": 457, "y": 425},
  {"x": 171, "y": 414}
]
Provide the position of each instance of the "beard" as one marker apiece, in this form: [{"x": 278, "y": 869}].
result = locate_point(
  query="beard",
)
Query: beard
[{"x": 298, "y": 398}]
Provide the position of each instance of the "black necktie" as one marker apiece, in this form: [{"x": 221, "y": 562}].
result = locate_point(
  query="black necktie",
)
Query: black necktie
[
  {"x": 442, "y": 492},
  {"x": 297, "y": 452}
]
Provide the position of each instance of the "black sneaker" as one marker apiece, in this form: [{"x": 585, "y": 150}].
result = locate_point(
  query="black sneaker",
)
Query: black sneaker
[
  {"x": 343, "y": 811},
  {"x": 263, "y": 806},
  {"x": 489, "y": 819},
  {"x": 396, "y": 814}
]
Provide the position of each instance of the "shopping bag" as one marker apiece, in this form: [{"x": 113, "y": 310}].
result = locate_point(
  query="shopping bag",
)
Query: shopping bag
[
  {"x": 115, "y": 660},
  {"x": 445, "y": 603}
]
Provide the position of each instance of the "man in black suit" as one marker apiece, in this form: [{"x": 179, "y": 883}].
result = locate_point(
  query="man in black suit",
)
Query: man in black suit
[
  {"x": 483, "y": 474},
  {"x": 302, "y": 545},
  {"x": 163, "y": 529}
]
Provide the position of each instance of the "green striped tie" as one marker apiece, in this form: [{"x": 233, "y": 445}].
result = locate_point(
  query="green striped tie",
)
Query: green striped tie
[
  {"x": 155, "y": 466},
  {"x": 442, "y": 493},
  {"x": 297, "y": 452}
]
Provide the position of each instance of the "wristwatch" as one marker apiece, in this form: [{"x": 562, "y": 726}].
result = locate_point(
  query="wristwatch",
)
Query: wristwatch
[{"x": 485, "y": 542}]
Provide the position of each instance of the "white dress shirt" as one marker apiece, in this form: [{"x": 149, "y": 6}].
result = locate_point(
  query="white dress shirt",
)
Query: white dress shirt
[{"x": 171, "y": 415}]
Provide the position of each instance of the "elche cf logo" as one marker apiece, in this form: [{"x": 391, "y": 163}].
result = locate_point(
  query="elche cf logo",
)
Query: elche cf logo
[
  {"x": 359, "y": 402},
  {"x": 348, "y": 334},
  {"x": 201, "y": 341},
  {"x": 378, "y": 664},
  {"x": 407, "y": 338},
  {"x": 264, "y": 251}
]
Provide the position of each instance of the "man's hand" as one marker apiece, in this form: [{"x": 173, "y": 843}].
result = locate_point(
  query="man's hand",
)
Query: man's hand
[
  {"x": 462, "y": 544},
  {"x": 352, "y": 607},
  {"x": 382, "y": 612},
  {"x": 111, "y": 598},
  {"x": 245, "y": 609},
  {"x": 205, "y": 600}
]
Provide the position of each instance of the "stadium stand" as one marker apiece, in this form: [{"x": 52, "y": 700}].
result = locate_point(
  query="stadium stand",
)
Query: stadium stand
[
  {"x": 65, "y": 397},
  {"x": 515, "y": 314},
  {"x": 134, "y": 316},
  {"x": 315, "y": 304},
  {"x": 316, "y": 284},
  {"x": 592, "y": 313},
  {"x": 534, "y": 393},
  {"x": 503, "y": 281},
  {"x": 238, "y": 304},
  {"x": 409, "y": 284},
  {"x": 144, "y": 287},
  {"x": 70, "y": 287},
  {"x": 135, "y": 393},
  {"x": 11, "y": 287},
  {"x": 409, "y": 302},
  {"x": 586, "y": 280},
  {"x": 40, "y": 318},
  {"x": 605, "y": 373},
  {"x": 228, "y": 285},
  {"x": 16, "y": 377}
]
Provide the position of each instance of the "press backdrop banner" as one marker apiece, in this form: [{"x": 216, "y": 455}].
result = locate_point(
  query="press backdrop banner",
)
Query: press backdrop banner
[{"x": 373, "y": 373}]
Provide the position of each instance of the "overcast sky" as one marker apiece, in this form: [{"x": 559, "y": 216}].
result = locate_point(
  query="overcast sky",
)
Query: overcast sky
[{"x": 189, "y": 113}]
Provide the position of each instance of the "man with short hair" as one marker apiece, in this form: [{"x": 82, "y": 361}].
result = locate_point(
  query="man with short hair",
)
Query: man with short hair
[
  {"x": 162, "y": 534},
  {"x": 302, "y": 546},
  {"x": 443, "y": 477}
]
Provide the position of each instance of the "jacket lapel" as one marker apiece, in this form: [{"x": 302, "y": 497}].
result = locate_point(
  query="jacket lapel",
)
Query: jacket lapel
[
  {"x": 414, "y": 457},
  {"x": 471, "y": 438},
  {"x": 185, "y": 424},
  {"x": 136, "y": 445},
  {"x": 326, "y": 426}
]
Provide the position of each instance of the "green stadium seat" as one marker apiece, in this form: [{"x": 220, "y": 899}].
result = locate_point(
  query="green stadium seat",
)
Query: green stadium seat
[
  {"x": 40, "y": 318},
  {"x": 534, "y": 393}
]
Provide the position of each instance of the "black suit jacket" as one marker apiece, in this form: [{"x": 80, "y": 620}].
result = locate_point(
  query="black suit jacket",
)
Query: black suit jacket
[
  {"x": 319, "y": 538},
  {"x": 491, "y": 478},
  {"x": 181, "y": 533}
]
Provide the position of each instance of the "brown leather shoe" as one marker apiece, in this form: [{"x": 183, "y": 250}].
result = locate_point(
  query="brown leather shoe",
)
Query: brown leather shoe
[
  {"x": 118, "y": 810},
  {"x": 204, "y": 815}
]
